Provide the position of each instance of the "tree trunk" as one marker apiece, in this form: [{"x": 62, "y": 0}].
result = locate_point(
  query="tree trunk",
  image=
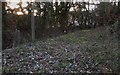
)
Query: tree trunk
[
  {"x": 16, "y": 39},
  {"x": 118, "y": 34},
  {"x": 3, "y": 19},
  {"x": 32, "y": 24},
  {"x": 0, "y": 29}
]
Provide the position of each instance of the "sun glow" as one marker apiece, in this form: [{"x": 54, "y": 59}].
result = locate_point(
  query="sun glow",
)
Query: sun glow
[
  {"x": 20, "y": 0},
  {"x": 19, "y": 13}
]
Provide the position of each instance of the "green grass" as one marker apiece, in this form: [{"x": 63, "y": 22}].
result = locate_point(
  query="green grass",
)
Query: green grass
[{"x": 95, "y": 51}]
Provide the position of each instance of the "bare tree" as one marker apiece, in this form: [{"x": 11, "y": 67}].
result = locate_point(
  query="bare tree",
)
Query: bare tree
[
  {"x": 32, "y": 23},
  {"x": 0, "y": 35}
]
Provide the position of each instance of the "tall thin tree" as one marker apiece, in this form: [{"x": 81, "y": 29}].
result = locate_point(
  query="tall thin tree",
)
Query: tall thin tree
[
  {"x": 32, "y": 22},
  {"x": 0, "y": 27}
]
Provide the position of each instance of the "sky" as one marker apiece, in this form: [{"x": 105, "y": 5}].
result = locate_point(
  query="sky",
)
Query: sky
[
  {"x": 13, "y": 3},
  {"x": 24, "y": 4}
]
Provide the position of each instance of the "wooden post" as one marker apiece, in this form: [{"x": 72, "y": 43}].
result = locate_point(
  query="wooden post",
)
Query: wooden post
[{"x": 32, "y": 23}]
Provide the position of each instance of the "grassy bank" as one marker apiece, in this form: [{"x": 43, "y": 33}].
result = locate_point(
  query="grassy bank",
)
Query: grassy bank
[{"x": 85, "y": 51}]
